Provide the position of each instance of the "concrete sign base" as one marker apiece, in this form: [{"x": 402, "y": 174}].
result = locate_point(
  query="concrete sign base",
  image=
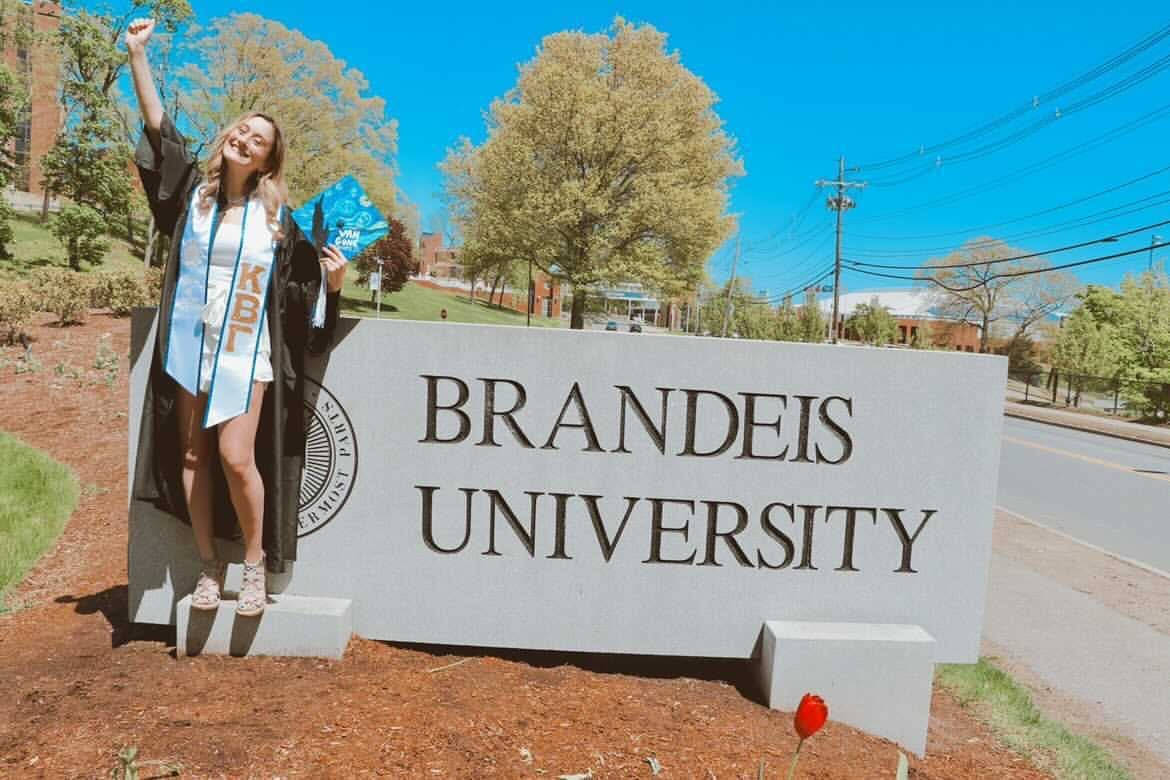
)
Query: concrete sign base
[
  {"x": 876, "y": 677},
  {"x": 289, "y": 626}
]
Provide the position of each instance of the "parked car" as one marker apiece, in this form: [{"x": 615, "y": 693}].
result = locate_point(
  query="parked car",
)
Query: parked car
[
  {"x": 611, "y": 325},
  {"x": 635, "y": 327}
]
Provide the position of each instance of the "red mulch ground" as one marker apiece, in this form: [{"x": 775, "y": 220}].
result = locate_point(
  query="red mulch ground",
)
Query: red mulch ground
[{"x": 80, "y": 682}]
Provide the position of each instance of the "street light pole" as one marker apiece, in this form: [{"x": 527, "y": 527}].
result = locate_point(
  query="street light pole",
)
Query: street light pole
[
  {"x": 528, "y": 303},
  {"x": 379, "y": 288}
]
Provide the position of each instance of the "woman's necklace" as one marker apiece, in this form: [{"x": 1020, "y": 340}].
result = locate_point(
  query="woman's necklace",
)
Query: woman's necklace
[{"x": 233, "y": 202}]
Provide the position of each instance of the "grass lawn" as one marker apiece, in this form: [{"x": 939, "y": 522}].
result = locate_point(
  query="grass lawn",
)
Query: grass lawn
[
  {"x": 1008, "y": 709},
  {"x": 415, "y": 302},
  {"x": 33, "y": 246},
  {"x": 37, "y": 495}
]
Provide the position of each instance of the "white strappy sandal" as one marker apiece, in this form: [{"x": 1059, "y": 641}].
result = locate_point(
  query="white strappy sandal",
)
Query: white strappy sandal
[
  {"x": 253, "y": 593},
  {"x": 208, "y": 587}
]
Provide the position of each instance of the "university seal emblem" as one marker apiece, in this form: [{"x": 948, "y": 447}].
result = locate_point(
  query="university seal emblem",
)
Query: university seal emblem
[{"x": 331, "y": 460}]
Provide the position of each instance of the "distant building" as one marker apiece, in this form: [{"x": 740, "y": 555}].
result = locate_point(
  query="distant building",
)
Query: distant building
[
  {"x": 631, "y": 300},
  {"x": 437, "y": 261},
  {"x": 439, "y": 266},
  {"x": 917, "y": 314},
  {"x": 40, "y": 66}
]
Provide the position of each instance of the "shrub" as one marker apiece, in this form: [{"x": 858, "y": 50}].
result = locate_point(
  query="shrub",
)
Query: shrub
[
  {"x": 153, "y": 283},
  {"x": 16, "y": 306},
  {"x": 119, "y": 291},
  {"x": 6, "y": 235},
  {"x": 62, "y": 292},
  {"x": 82, "y": 230}
]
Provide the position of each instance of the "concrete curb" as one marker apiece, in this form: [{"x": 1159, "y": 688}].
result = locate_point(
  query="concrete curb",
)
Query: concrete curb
[{"x": 1123, "y": 435}]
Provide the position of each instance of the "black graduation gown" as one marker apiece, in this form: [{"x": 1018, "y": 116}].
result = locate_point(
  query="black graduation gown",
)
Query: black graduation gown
[{"x": 169, "y": 176}]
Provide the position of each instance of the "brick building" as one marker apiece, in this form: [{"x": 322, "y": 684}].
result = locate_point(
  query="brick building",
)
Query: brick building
[
  {"x": 436, "y": 260},
  {"x": 916, "y": 311},
  {"x": 40, "y": 67},
  {"x": 439, "y": 267}
]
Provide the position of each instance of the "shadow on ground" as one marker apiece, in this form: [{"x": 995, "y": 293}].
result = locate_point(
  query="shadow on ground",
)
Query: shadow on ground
[
  {"x": 113, "y": 604},
  {"x": 736, "y": 672}
]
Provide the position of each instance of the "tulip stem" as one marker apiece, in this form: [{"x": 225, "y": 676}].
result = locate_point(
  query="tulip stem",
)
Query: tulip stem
[{"x": 795, "y": 756}]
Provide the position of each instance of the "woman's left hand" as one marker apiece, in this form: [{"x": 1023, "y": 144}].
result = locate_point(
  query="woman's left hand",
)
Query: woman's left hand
[{"x": 334, "y": 264}]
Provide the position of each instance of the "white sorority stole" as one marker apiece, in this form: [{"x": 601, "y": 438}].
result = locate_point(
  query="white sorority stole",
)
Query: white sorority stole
[{"x": 239, "y": 340}]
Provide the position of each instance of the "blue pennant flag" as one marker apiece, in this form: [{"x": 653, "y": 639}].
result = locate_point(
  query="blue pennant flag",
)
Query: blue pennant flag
[{"x": 344, "y": 216}]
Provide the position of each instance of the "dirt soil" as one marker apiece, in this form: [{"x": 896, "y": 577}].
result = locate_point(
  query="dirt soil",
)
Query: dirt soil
[{"x": 81, "y": 683}]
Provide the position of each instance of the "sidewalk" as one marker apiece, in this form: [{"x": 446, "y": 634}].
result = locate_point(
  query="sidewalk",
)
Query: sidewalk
[
  {"x": 1121, "y": 429},
  {"x": 1088, "y": 634}
]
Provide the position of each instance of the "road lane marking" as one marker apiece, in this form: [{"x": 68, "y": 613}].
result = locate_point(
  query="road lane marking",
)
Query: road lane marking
[
  {"x": 1095, "y": 461},
  {"x": 1132, "y": 562}
]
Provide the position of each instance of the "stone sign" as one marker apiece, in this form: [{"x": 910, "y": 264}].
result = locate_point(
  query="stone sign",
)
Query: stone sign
[{"x": 610, "y": 492}]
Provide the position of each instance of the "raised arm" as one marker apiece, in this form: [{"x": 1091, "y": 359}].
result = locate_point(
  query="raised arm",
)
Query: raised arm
[{"x": 137, "y": 35}]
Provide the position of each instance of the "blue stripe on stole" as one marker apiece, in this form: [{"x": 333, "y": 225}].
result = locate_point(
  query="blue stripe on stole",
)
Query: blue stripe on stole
[
  {"x": 263, "y": 321},
  {"x": 206, "y": 281},
  {"x": 178, "y": 286},
  {"x": 226, "y": 314}
]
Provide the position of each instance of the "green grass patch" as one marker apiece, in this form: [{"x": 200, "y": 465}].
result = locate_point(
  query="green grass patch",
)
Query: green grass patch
[
  {"x": 1008, "y": 709},
  {"x": 34, "y": 246},
  {"x": 415, "y": 302},
  {"x": 37, "y": 495}
]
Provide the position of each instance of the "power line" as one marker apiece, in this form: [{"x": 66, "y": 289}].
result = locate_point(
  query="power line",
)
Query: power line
[
  {"x": 1106, "y": 215},
  {"x": 795, "y": 222},
  {"x": 1042, "y": 212},
  {"x": 1106, "y": 137},
  {"x": 774, "y": 299},
  {"x": 1057, "y": 250},
  {"x": 1021, "y": 110},
  {"x": 1012, "y": 274}
]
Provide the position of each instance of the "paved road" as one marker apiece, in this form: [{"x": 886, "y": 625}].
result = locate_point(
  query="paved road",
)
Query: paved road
[
  {"x": 1088, "y": 633},
  {"x": 1111, "y": 493}
]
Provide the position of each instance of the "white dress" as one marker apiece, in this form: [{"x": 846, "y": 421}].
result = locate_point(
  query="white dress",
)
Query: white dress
[{"x": 219, "y": 286}]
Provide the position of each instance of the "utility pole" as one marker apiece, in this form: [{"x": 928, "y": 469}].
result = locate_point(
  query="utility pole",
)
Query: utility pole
[
  {"x": 839, "y": 203},
  {"x": 1153, "y": 243},
  {"x": 730, "y": 287}
]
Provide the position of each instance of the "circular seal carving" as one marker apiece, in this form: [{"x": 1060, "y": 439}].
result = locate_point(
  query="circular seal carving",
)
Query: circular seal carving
[{"x": 331, "y": 459}]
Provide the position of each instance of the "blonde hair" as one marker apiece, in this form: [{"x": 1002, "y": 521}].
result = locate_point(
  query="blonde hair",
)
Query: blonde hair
[{"x": 269, "y": 185}]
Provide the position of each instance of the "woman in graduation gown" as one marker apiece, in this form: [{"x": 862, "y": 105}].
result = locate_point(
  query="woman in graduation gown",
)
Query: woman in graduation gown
[{"x": 222, "y": 435}]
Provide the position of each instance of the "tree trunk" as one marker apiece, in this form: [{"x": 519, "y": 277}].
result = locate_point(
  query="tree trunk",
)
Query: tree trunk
[
  {"x": 492, "y": 294},
  {"x": 151, "y": 238},
  {"x": 984, "y": 337},
  {"x": 577, "y": 317},
  {"x": 45, "y": 207},
  {"x": 74, "y": 258}
]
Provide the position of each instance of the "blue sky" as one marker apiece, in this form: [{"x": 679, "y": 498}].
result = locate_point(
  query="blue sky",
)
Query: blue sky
[{"x": 801, "y": 85}]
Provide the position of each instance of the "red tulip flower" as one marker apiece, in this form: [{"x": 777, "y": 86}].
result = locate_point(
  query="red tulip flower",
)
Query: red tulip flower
[{"x": 811, "y": 714}]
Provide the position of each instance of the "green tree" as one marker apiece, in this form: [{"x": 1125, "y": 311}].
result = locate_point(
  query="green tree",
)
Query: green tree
[
  {"x": 81, "y": 229},
  {"x": 606, "y": 162},
  {"x": 396, "y": 255},
  {"x": 333, "y": 127},
  {"x": 812, "y": 322},
  {"x": 976, "y": 284},
  {"x": 788, "y": 321},
  {"x": 13, "y": 104},
  {"x": 89, "y": 162},
  {"x": 873, "y": 323}
]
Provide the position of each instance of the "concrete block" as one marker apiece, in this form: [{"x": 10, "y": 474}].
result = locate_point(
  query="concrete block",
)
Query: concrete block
[
  {"x": 874, "y": 676},
  {"x": 289, "y": 626}
]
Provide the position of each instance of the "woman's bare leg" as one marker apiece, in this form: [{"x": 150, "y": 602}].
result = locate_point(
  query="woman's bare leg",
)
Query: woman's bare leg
[
  {"x": 196, "y": 445},
  {"x": 237, "y": 453}
]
